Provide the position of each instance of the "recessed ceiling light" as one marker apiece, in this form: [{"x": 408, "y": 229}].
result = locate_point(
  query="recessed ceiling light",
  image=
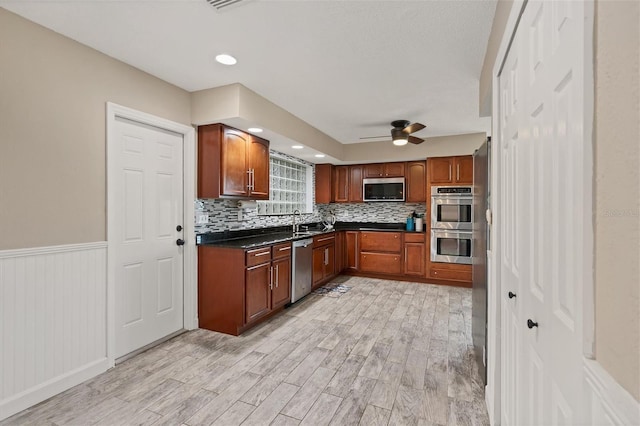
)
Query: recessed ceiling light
[
  {"x": 320, "y": 155},
  {"x": 226, "y": 59},
  {"x": 255, "y": 129},
  {"x": 297, "y": 146}
]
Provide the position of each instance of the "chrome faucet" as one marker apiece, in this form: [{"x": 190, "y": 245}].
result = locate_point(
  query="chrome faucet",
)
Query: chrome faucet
[{"x": 295, "y": 225}]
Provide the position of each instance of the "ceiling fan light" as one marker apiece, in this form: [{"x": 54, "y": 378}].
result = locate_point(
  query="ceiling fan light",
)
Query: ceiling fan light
[{"x": 400, "y": 141}]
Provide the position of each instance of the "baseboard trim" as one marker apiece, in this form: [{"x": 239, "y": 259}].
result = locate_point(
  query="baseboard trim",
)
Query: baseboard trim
[
  {"x": 46, "y": 390},
  {"x": 609, "y": 402}
]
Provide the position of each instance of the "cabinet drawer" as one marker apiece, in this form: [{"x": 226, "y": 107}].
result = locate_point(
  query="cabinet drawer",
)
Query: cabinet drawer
[
  {"x": 281, "y": 250},
  {"x": 381, "y": 263},
  {"x": 258, "y": 256},
  {"x": 448, "y": 274},
  {"x": 414, "y": 238},
  {"x": 381, "y": 241},
  {"x": 323, "y": 239}
]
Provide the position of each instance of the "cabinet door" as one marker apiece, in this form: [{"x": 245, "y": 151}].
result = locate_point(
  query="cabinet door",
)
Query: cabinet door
[
  {"x": 281, "y": 292},
  {"x": 341, "y": 184},
  {"x": 373, "y": 170},
  {"x": 380, "y": 263},
  {"x": 355, "y": 184},
  {"x": 416, "y": 182},
  {"x": 234, "y": 177},
  {"x": 257, "y": 292},
  {"x": 381, "y": 241},
  {"x": 329, "y": 261},
  {"x": 441, "y": 170},
  {"x": 318, "y": 265},
  {"x": 352, "y": 249},
  {"x": 393, "y": 169},
  {"x": 464, "y": 170},
  {"x": 323, "y": 183},
  {"x": 414, "y": 259},
  {"x": 259, "y": 166},
  {"x": 340, "y": 252},
  {"x": 209, "y": 138}
]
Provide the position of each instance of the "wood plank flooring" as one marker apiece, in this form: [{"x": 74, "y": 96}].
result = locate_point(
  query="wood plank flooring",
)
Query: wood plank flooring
[{"x": 384, "y": 353}]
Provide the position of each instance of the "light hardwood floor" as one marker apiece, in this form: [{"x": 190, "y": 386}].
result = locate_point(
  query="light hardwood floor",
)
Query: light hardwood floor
[{"x": 386, "y": 352}]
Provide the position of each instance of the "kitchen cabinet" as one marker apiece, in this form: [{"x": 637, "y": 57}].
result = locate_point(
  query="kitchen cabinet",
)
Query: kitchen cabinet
[
  {"x": 323, "y": 262},
  {"x": 381, "y": 252},
  {"x": 355, "y": 184},
  {"x": 352, "y": 250},
  {"x": 341, "y": 184},
  {"x": 384, "y": 170},
  {"x": 232, "y": 163},
  {"x": 416, "y": 174},
  {"x": 238, "y": 288},
  {"x": 414, "y": 254},
  {"x": 451, "y": 170},
  {"x": 324, "y": 187}
]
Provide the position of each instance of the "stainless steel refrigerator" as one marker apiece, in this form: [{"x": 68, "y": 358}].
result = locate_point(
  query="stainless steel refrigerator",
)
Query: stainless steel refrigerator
[{"x": 481, "y": 202}]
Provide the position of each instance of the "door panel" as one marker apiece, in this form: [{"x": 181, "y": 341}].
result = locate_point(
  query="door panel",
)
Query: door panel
[
  {"x": 441, "y": 170},
  {"x": 355, "y": 184},
  {"x": 259, "y": 164},
  {"x": 257, "y": 292},
  {"x": 281, "y": 293},
  {"x": 149, "y": 264},
  {"x": 233, "y": 163}
]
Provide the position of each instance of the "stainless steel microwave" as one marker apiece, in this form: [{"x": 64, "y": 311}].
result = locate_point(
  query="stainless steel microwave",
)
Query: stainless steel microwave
[{"x": 383, "y": 189}]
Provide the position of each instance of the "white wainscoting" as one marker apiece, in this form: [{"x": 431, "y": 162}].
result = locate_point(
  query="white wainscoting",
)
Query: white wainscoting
[
  {"x": 53, "y": 314},
  {"x": 608, "y": 402}
]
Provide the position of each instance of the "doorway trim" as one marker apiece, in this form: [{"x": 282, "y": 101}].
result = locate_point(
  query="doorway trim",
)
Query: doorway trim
[{"x": 190, "y": 279}]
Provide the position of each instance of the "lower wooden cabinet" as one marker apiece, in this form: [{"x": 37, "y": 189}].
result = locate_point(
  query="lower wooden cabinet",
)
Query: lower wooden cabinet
[
  {"x": 450, "y": 272},
  {"x": 237, "y": 288},
  {"x": 324, "y": 262},
  {"x": 381, "y": 252},
  {"x": 352, "y": 250}
]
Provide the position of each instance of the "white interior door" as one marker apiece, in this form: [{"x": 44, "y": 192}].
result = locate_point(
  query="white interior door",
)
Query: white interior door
[
  {"x": 541, "y": 151},
  {"x": 149, "y": 207}
]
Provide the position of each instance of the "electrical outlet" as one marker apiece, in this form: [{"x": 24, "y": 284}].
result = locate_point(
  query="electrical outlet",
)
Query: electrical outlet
[{"x": 202, "y": 218}]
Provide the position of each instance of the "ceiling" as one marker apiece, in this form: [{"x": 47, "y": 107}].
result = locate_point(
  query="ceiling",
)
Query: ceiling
[{"x": 347, "y": 68}]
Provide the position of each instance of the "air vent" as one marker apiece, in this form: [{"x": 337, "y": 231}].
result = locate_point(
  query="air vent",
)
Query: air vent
[{"x": 223, "y": 4}]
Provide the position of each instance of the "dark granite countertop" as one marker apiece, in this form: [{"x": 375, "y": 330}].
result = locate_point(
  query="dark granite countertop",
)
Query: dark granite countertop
[{"x": 251, "y": 238}]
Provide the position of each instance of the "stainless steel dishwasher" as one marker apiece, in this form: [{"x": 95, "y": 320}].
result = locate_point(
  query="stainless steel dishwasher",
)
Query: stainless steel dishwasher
[{"x": 302, "y": 268}]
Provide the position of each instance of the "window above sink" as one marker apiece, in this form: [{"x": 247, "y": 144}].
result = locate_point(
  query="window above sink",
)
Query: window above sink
[{"x": 291, "y": 187}]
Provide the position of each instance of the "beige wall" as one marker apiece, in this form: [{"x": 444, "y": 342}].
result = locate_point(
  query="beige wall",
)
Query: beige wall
[
  {"x": 503, "y": 9},
  {"x": 52, "y": 132},
  {"x": 617, "y": 191}
]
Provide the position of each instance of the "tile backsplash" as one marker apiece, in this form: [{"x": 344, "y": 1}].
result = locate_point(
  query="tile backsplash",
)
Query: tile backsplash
[{"x": 223, "y": 214}]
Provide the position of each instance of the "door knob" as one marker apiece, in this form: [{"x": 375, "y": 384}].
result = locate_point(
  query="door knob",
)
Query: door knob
[
  {"x": 180, "y": 242},
  {"x": 531, "y": 324},
  {"x": 511, "y": 295},
  {"x": 179, "y": 228}
]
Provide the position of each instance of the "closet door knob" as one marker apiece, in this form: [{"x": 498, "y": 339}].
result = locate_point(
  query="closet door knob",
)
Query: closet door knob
[
  {"x": 180, "y": 242},
  {"x": 531, "y": 324},
  {"x": 511, "y": 295}
]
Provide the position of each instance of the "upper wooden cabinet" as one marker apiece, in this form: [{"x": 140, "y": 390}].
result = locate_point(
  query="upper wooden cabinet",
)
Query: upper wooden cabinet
[
  {"x": 451, "y": 170},
  {"x": 416, "y": 182},
  {"x": 341, "y": 184},
  {"x": 355, "y": 184},
  {"x": 232, "y": 163},
  {"x": 324, "y": 187},
  {"x": 384, "y": 170}
]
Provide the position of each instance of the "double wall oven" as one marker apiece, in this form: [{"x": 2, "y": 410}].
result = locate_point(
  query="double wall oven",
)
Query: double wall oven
[{"x": 451, "y": 221}]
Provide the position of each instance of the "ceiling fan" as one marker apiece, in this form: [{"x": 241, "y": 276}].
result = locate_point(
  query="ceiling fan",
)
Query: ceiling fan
[{"x": 401, "y": 132}]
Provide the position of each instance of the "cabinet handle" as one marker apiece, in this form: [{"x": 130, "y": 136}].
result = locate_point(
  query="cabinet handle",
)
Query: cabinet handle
[
  {"x": 395, "y": 236},
  {"x": 253, "y": 179},
  {"x": 325, "y": 239},
  {"x": 284, "y": 248},
  {"x": 458, "y": 172},
  {"x": 264, "y": 253},
  {"x": 449, "y": 171},
  {"x": 271, "y": 278},
  {"x": 277, "y": 275}
]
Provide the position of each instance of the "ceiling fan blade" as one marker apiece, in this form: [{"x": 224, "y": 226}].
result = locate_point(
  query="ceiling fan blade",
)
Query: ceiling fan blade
[
  {"x": 412, "y": 128},
  {"x": 376, "y": 137},
  {"x": 415, "y": 140}
]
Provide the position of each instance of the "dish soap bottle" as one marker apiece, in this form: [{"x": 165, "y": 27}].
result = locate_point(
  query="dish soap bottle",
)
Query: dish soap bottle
[{"x": 410, "y": 223}]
